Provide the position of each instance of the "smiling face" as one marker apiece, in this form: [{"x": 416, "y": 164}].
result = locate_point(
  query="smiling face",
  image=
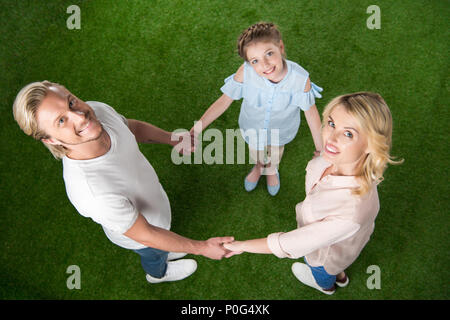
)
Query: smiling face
[
  {"x": 266, "y": 58},
  {"x": 345, "y": 143},
  {"x": 67, "y": 120}
]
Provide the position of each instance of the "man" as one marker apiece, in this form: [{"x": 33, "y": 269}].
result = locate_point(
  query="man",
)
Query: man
[{"x": 109, "y": 180}]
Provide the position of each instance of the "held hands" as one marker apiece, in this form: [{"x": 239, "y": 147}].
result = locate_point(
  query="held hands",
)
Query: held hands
[
  {"x": 186, "y": 142},
  {"x": 235, "y": 247},
  {"x": 195, "y": 131},
  {"x": 214, "y": 248},
  {"x": 183, "y": 142},
  {"x": 228, "y": 247}
]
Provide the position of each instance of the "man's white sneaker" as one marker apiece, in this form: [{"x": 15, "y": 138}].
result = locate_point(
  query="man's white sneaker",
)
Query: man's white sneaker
[
  {"x": 303, "y": 273},
  {"x": 176, "y": 270},
  {"x": 175, "y": 255}
]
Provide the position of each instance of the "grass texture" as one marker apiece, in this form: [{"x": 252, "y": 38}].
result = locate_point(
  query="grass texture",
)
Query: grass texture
[{"x": 163, "y": 62}]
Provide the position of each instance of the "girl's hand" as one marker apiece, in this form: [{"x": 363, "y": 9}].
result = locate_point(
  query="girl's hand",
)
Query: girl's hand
[{"x": 195, "y": 132}]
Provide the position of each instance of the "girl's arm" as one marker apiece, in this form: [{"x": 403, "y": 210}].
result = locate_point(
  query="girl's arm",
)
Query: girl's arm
[
  {"x": 217, "y": 108},
  {"x": 313, "y": 118},
  {"x": 314, "y": 123},
  {"x": 213, "y": 112},
  {"x": 252, "y": 246}
]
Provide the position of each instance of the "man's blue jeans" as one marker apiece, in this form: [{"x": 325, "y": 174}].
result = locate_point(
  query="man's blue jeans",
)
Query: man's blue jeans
[{"x": 154, "y": 261}]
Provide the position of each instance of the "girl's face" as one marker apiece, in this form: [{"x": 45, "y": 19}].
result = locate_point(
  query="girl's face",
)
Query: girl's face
[
  {"x": 345, "y": 143},
  {"x": 266, "y": 58}
]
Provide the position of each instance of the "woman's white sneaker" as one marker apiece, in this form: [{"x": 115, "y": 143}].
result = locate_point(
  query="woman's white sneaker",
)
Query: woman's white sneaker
[
  {"x": 176, "y": 270},
  {"x": 303, "y": 273},
  {"x": 343, "y": 283}
]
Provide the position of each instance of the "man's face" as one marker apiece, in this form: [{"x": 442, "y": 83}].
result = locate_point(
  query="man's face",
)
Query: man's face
[{"x": 67, "y": 120}]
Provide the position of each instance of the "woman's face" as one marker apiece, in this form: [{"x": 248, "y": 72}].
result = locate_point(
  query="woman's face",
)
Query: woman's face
[{"x": 345, "y": 143}]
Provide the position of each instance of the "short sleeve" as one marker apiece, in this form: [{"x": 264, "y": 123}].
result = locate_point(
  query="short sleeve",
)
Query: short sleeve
[
  {"x": 305, "y": 100},
  {"x": 114, "y": 212},
  {"x": 232, "y": 88},
  {"x": 99, "y": 107},
  {"x": 125, "y": 120}
]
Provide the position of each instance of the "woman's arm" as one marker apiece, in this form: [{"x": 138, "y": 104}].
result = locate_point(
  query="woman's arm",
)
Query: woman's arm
[
  {"x": 299, "y": 242},
  {"x": 252, "y": 246}
]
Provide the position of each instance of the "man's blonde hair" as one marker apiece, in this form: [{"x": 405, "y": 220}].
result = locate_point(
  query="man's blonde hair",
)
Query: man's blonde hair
[
  {"x": 375, "y": 119},
  {"x": 25, "y": 107}
]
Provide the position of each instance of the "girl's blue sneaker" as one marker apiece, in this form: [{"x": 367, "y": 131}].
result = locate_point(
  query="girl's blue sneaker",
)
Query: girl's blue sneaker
[
  {"x": 273, "y": 190},
  {"x": 250, "y": 186}
]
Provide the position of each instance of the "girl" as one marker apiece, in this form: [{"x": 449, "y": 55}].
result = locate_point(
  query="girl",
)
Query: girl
[
  {"x": 274, "y": 91},
  {"x": 337, "y": 217}
]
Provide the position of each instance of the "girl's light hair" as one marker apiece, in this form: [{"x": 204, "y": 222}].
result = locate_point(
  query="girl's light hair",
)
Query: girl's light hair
[
  {"x": 262, "y": 31},
  {"x": 25, "y": 106},
  {"x": 374, "y": 117}
]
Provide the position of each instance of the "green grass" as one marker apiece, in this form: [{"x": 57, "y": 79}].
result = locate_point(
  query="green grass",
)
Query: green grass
[{"x": 164, "y": 62}]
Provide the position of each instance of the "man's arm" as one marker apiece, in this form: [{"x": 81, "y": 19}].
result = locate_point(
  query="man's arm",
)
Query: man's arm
[
  {"x": 158, "y": 238},
  {"x": 148, "y": 133}
]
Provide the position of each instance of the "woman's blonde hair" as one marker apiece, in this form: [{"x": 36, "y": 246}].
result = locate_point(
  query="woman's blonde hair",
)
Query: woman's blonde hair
[
  {"x": 262, "y": 31},
  {"x": 25, "y": 107},
  {"x": 375, "y": 119}
]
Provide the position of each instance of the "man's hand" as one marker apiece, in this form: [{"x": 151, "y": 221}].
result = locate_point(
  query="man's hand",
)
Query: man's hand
[{"x": 213, "y": 248}]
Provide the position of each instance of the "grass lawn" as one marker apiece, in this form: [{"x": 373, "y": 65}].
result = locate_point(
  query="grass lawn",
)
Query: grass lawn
[{"x": 163, "y": 62}]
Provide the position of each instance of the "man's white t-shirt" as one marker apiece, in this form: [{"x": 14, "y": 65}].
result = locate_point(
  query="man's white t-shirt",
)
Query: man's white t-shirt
[{"x": 113, "y": 188}]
